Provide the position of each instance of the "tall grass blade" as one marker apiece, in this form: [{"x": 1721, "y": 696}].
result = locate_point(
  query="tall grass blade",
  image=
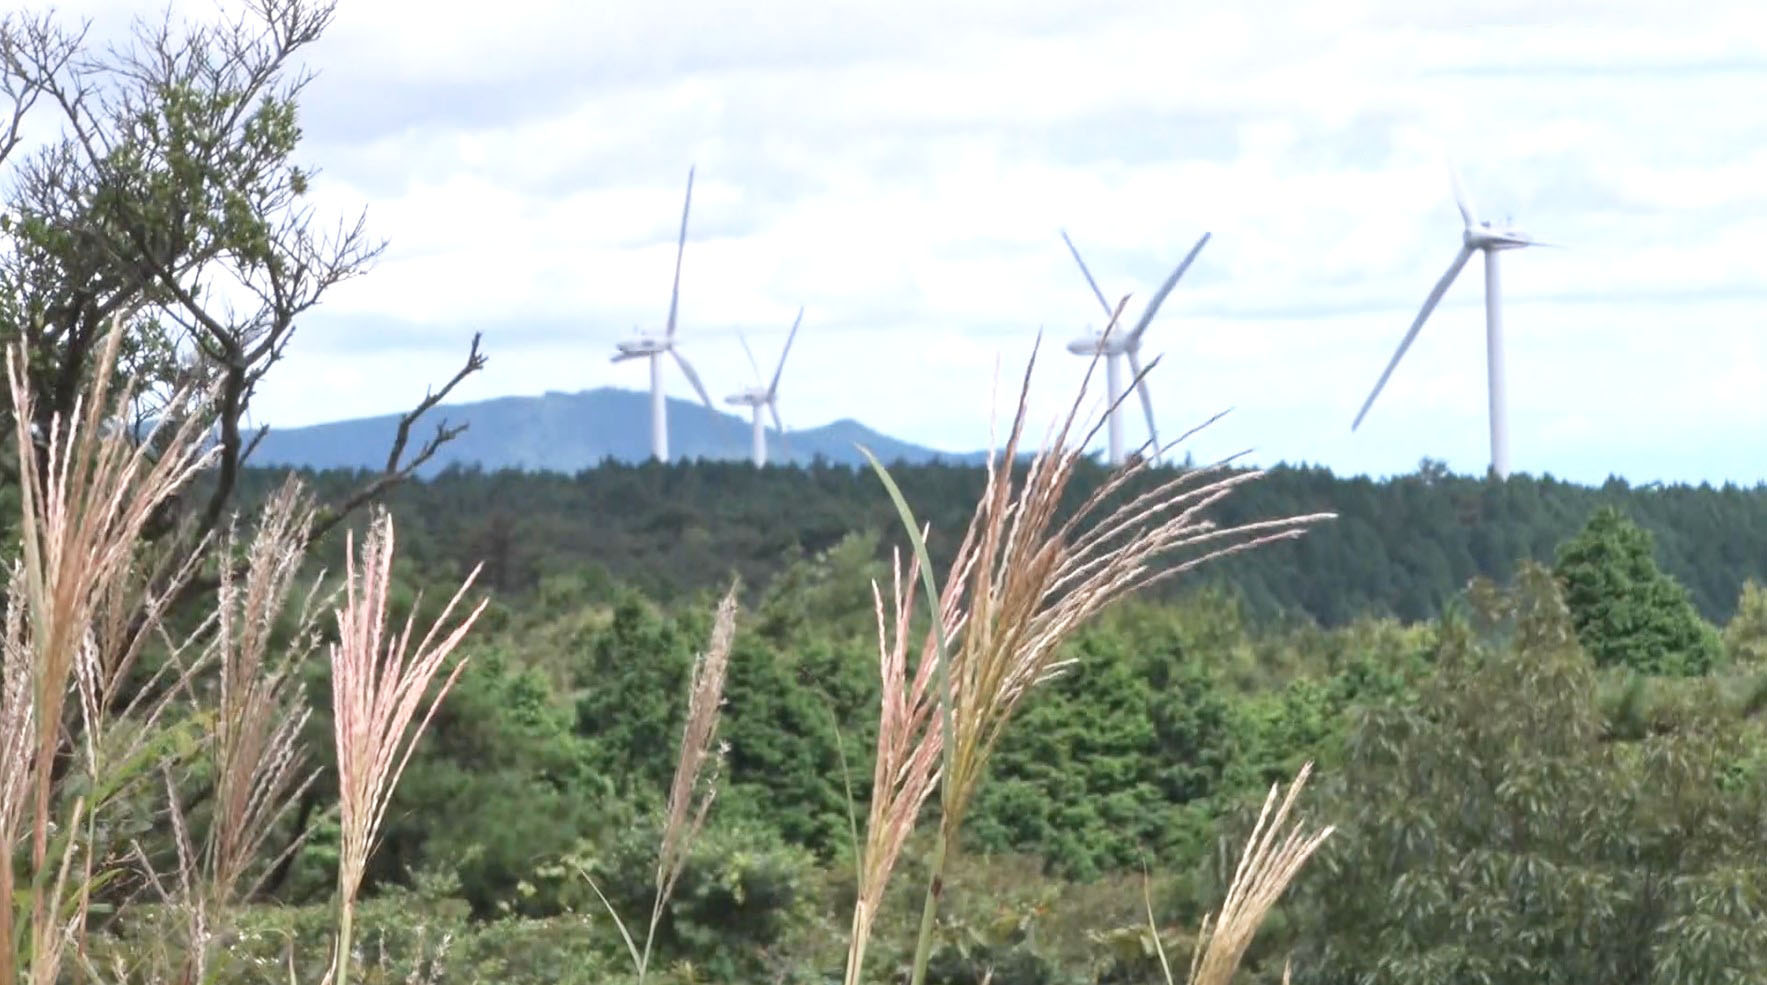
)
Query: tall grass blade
[
  {"x": 935, "y": 886},
  {"x": 1153, "y": 927},
  {"x": 638, "y": 959}
]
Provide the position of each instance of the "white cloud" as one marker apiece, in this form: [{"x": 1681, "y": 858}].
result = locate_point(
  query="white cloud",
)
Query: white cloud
[{"x": 904, "y": 182}]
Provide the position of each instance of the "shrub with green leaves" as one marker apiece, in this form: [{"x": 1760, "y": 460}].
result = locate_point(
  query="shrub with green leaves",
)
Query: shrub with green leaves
[
  {"x": 1495, "y": 832},
  {"x": 518, "y": 783},
  {"x": 739, "y": 893}
]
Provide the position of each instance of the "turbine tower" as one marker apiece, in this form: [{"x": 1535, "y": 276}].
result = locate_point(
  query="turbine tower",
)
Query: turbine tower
[
  {"x": 1115, "y": 346},
  {"x": 652, "y": 347},
  {"x": 1490, "y": 240},
  {"x": 758, "y": 396}
]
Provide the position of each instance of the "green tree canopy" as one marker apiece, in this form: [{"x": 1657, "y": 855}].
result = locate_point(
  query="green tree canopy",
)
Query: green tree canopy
[
  {"x": 1745, "y": 636},
  {"x": 1491, "y": 830},
  {"x": 1627, "y": 611}
]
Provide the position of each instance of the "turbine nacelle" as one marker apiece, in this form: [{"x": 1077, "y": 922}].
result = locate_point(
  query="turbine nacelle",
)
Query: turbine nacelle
[
  {"x": 638, "y": 348},
  {"x": 1096, "y": 344},
  {"x": 1480, "y": 234},
  {"x": 752, "y": 397},
  {"x": 1485, "y": 236}
]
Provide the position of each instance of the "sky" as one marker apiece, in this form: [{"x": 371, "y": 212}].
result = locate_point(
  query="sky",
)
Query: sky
[{"x": 902, "y": 171}]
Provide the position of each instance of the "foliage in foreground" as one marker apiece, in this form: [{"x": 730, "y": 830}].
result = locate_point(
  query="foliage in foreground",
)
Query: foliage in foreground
[
  {"x": 1500, "y": 827},
  {"x": 1171, "y": 715},
  {"x": 112, "y": 717}
]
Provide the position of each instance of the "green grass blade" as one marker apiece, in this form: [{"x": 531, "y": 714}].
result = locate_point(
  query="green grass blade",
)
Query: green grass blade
[
  {"x": 924, "y": 938},
  {"x": 840, "y": 748},
  {"x": 631, "y": 945},
  {"x": 931, "y": 584},
  {"x": 1153, "y": 927}
]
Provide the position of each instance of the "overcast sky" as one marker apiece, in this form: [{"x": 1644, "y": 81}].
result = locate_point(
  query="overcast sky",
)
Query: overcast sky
[{"x": 902, "y": 170}]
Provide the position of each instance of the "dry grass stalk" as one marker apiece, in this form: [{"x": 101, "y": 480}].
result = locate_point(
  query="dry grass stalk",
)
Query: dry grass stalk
[
  {"x": 1272, "y": 858},
  {"x": 86, "y": 496},
  {"x": 17, "y": 727},
  {"x": 260, "y": 767},
  {"x": 140, "y": 598},
  {"x": 378, "y": 687},
  {"x": 694, "y": 786},
  {"x": 1031, "y": 578},
  {"x": 695, "y": 783},
  {"x": 83, "y": 600},
  {"x": 909, "y": 747},
  {"x": 1025, "y": 579}
]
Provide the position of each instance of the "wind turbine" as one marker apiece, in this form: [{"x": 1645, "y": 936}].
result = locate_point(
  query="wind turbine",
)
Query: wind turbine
[
  {"x": 1490, "y": 240},
  {"x": 652, "y": 347},
  {"x": 1114, "y": 346},
  {"x": 757, "y": 396}
]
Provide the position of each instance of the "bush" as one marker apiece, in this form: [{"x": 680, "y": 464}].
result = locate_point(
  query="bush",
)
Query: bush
[{"x": 742, "y": 890}]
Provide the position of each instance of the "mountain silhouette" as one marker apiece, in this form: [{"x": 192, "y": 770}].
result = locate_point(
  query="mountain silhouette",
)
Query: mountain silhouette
[{"x": 569, "y": 432}]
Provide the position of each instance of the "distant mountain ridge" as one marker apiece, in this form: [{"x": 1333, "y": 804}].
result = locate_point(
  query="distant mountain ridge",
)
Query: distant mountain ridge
[{"x": 569, "y": 432}]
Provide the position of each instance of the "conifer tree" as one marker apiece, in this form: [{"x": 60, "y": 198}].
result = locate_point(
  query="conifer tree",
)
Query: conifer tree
[{"x": 1626, "y": 610}]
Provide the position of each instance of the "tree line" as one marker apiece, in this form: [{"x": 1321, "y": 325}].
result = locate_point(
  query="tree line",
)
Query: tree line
[{"x": 1400, "y": 547}]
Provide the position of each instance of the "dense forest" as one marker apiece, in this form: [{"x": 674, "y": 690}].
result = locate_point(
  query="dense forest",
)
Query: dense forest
[
  {"x": 1599, "y": 729},
  {"x": 1400, "y": 547}
]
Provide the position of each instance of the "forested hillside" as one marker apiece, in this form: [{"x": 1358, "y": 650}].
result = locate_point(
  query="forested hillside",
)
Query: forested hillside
[
  {"x": 1611, "y": 753},
  {"x": 1399, "y": 547}
]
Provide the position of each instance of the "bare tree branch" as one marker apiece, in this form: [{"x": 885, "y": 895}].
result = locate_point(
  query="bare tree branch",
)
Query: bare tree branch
[
  {"x": 26, "y": 42},
  {"x": 396, "y": 471}
]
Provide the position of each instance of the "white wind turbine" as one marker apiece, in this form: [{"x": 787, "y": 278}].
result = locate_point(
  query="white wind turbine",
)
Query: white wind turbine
[
  {"x": 652, "y": 347},
  {"x": 758, "y": 396},
  {"x": 1115, "y": 345},
  {"x": 1489, "y": 239}
]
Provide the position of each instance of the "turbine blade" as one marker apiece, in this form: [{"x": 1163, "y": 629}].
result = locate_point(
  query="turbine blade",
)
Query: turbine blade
[
  {"x": 1153, "y": 433},
  {"x": 1429, "y": 305},
  {"x": 680, "y": 248},
  {"x": 1468, "y": 212},
  {"x": 1159, "y": 297},
  {"x": 692, "y": 377},
  {"x": 779, "y": 425},
  {"x": 773, "y": 388},
  {"x": 1102, "y": 303},
  {"x": 749, "y": 353}
]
